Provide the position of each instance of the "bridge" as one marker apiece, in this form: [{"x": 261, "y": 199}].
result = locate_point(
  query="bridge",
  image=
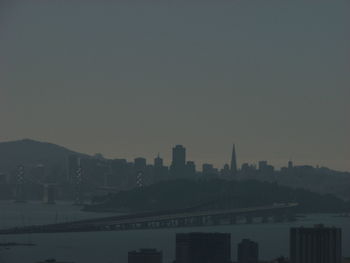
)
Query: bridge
[{"x": 167, "y": 219}]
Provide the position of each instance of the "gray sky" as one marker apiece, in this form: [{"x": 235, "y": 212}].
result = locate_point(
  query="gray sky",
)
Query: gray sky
[{"x": 133, "y": 78}]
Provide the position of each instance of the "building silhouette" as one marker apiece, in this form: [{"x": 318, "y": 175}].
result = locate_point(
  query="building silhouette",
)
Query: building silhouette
[
  {"x": 140, "y": 164},
  {"x": 158, "y": 162},
  {"x": 178, "y": 164},
  {"x": 248, "y": 252},
  {"x": 315, "y": 245},
  {"x": 145, "y": 256},
  {"x": 203, "y": 248},
  {"x": 233, "y": 166},
  {"x": 190, "y": 168}
]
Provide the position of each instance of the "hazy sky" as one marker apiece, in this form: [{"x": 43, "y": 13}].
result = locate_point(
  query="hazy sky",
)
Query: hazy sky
[{"x": 133, "y": 78}]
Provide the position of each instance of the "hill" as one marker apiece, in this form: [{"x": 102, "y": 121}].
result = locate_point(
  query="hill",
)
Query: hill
[
  {"x": 31, "y": 153},
  {"x": 216, "y": 193}
]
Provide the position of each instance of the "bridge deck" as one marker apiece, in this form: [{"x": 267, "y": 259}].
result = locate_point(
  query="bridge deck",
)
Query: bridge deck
[{"x": 99, "y": 224}]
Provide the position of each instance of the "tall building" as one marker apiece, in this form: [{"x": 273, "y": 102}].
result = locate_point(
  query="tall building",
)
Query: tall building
[
  {"x": 178, "y": 165},
  {"x": 207, "y": 168},
  {"x": 265, "y": 168},
  {"x": 158, "y": 162},
  {"x": 145, "y": 256},
  {"x": 190, "y": 168},
  {"x": 315, "y": 245},
  {"x": 248, "y": 252},
  {"x": 140, "y": 164},
  {"x": 233, "y": 161},
  {"x": 203, "y": 248}
]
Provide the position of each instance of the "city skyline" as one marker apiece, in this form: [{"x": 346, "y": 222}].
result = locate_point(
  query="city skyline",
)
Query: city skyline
[
  {"x": 168, "y": 161},
  {"x": 185, "y": 131}
]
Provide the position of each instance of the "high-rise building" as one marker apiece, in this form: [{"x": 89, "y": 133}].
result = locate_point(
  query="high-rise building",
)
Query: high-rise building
[
  {"x": 190, "y": 168},
  {"x": 248, "y": 252},
  {"x": 140, "y": 164},
  {"x": 145, "y": 256},
  {"x": 233, "y": 161},
  {"x": 158, "y": 169},
  {"x": 208, "y": 169},
  {"x": 203, "y": 248},
  {"x": 158, "y": 162},
  {"x": 315, "y": 245},
  {"x": 178, "y": 165},
  {"x": 265, "y": 168}
]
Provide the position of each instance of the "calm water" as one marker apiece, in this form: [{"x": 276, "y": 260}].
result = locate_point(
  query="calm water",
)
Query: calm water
[{"x": 106, "y": 247}]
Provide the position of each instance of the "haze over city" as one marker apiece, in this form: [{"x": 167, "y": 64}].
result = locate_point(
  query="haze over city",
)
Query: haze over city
[
  {"x": 134, "y": 78},
  {"x": 174, "y": 131}
]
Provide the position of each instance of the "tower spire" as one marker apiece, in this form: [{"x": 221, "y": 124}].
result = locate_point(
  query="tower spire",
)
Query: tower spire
[{"x": 233, "y": 167}]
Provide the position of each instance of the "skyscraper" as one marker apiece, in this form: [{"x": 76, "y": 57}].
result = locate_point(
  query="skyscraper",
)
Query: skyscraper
[
  {"x": 203, "y": 248},
  {"x": 159, "y": 171},
  {"x": 248, "y": 252},
  {"x": 178, "y": 165},
  {"x": 315, "y": 245},
  {"x": 158, "y": 162},
  {"x": 233, "y": 161}
]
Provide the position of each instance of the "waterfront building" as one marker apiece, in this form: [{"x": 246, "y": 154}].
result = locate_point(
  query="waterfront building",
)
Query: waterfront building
[
  {"x": 248, "y": 252},
  {"x": 317, "y": 244},
  {"x": 145, "y": 256},
  {"x": 203, "y": 248}
]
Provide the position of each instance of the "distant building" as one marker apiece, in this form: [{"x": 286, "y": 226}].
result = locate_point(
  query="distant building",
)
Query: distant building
[
  {"x": 265, "y": 168},
  {"x": 207, "y": 169},
  {"x": 315, "y": 245},
  {"x": 225, "y": 171},
  {"x": 145, "y": 256},
  {"x": 203, "y": 248},
  {"x": 159, "y": 171},
  {"x": 140, "y": 164},
  {"x": 178, "y": 164},
  {"x": 248, "y": 169},
  {"x": 248, "y": 252},
  {"x": 190, "y": 168},
  {"x": 233, "y": 161},
  {"x": 158, "y": 162}
]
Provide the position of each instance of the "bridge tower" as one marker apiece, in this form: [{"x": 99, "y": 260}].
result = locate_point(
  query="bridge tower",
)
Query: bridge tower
[
  {"x": 78, "y": 200},
  {"x": 140, "y": 179},
  {"x": 19, "y": 188}
]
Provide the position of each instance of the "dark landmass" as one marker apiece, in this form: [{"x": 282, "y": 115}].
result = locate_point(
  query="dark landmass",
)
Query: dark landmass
[
  {"x": 216, "y": 194},
  {"x": 48, "y": 163},
  {"x": 11, "y": 244},
  {"x": 30, "y": 153}
]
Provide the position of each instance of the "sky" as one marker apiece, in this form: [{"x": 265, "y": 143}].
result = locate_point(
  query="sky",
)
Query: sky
[{"x": 134, "y": 78}]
